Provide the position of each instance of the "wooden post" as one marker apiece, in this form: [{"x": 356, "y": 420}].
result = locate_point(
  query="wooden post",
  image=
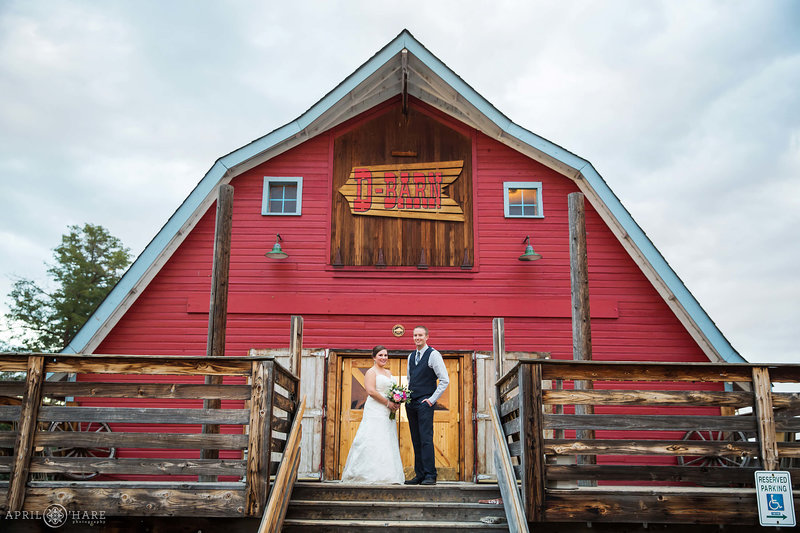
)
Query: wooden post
[
  {"x": 581, "y": 323},
  {"x": 259, "y": 454},
  {"x": 498, "y": 352},
  {"x": 23, "y": 448},
  {"x": 531, "y": 440},
  {"x": 498, "y": 346},
  {"x": 768, "y": 443},
  {"x": 218, "y": 306},
  {"x": 579, "y": 278},
  {"x": 296, "y": 346}
]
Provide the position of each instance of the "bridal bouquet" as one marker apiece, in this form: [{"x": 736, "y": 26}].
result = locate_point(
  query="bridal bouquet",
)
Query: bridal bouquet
[{"x": 398, "y": 394}]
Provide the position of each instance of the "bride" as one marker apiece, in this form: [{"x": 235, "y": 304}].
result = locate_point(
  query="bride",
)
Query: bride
[{"x": 375, "y": 453}]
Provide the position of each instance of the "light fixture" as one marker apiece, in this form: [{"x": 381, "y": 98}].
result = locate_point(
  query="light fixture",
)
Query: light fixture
[
  {"x": 529, "y": 254},
  {"x": 276, "y": 252}
]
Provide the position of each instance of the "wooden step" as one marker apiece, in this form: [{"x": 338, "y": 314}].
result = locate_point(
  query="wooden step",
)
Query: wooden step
[
  {"x": 395, "y": 526},
  {"x": 447, "y": 506},
  {"x": 394, "y": 510},
  {"x": 441, "y": 492}
]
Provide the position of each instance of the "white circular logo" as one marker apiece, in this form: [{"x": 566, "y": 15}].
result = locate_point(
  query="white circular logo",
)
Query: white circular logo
[{"x": 55, "y": 515}]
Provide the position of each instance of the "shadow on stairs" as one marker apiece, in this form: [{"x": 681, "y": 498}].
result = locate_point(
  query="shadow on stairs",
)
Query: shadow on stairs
[{"x": 447, "y": 506}]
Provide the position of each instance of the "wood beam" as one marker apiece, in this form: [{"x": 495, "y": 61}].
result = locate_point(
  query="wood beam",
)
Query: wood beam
[
  {"x": 259, "y": 455},
  {"x": 581, "y": 323},
  {"x": 765, "y": 418},
  {"x": 296, "y": 345},
  {"x": 498, "y": 346},
  {"x": 579, "y": 279},
  {"x": 218, "y": 306},
  {"x": 23, "y": 448}
]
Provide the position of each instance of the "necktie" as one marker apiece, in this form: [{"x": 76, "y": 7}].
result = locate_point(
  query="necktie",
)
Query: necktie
[{"x": 418, "y": 357}]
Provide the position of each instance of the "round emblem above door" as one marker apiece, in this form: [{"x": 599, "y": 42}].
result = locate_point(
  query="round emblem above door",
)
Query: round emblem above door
[{"x": 398, "y": 330}]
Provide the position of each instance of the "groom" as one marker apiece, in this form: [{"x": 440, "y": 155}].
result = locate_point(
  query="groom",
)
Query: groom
[{"x": 425, "y": 366}]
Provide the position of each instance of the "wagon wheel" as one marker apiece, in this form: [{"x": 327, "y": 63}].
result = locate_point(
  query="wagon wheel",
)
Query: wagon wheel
[
  {"x": 715, "y": 460},
  {"x": 81, "y": 451}
]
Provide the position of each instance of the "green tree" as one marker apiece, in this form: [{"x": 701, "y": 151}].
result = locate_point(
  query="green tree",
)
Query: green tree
[{"x": 88, "y": 263}]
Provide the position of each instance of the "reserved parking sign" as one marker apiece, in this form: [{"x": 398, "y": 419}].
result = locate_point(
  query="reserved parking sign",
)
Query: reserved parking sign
[{"x": 774, "y": 495}]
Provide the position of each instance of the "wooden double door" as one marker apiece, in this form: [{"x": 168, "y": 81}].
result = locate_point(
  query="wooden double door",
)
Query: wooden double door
[{"x": 446, "y": 433}]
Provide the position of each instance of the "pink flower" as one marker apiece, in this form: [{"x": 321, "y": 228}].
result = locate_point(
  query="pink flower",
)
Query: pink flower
[{"x": 398, "y": 394}]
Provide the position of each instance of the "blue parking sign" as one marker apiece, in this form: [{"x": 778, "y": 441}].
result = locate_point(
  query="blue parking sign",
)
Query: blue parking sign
[
  {"x": 774, "y": 502},
  {"x": 775, "y": 499}
]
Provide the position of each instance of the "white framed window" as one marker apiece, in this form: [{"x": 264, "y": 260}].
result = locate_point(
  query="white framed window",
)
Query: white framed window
[
  {"x": 282, "y": 196},
  {"x": 523, "y": 199}
]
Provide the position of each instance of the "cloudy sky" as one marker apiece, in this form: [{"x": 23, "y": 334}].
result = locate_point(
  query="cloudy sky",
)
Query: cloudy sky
[{"x": 111, "y": 112}]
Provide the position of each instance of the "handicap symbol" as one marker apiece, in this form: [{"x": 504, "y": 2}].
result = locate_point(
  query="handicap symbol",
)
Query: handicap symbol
[{"x": 775, "y": 502}]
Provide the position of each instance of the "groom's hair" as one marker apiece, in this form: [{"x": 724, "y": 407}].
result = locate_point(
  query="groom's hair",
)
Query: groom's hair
[
  {"x": 377, "y": 349},
  {"x": 423, "y": 327}
]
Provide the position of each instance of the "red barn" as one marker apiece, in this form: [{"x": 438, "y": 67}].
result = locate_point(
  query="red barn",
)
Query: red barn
[{"x": 403, "y": 198}]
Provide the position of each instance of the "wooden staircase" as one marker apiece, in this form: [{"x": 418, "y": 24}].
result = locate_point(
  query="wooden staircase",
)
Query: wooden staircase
[{"x": 333, "y": 506}]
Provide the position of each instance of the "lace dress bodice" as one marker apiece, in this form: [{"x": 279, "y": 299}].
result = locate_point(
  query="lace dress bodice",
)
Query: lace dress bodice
[{"x": 372, "y": 406}]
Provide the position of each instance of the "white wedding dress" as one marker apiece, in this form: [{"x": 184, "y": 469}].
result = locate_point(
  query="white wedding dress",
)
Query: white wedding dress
[{"x": 375, "y": 453}]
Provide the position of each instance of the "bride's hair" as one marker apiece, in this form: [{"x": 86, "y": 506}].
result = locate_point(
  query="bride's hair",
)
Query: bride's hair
[{"x": 377, "y": 349}]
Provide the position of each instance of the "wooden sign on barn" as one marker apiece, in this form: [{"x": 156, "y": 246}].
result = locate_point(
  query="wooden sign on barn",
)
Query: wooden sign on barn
[
  {"x": 428, "y": 188},
  {"x": 414, "y": 190}
]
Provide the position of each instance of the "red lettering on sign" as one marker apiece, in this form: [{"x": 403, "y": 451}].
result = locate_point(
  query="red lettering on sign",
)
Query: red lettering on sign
[
  {"x": 416, "y": 190},
  {"x": 405, "y": 193},
  {"x": 363, "y": 201},
  {"x": 390, "y": 200},
  {"x": 419, "y": 191},
  {"x": 435, "y": 181}
]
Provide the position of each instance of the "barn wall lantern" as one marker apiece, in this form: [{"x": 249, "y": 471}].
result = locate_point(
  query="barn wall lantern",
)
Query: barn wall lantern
[
  {"x": 277, "y": 252},
  {"x": 529, "y": 254}
]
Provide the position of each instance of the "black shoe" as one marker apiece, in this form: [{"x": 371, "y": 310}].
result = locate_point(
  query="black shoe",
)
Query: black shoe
[
  {"x": 414, "y": 481},
  {"x": 428, "y": 481}
]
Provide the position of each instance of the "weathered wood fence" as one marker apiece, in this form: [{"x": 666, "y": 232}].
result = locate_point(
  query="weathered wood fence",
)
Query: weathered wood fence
[
  {"x": 674, "y": 442},
  {"x": 105, "y": 441}
]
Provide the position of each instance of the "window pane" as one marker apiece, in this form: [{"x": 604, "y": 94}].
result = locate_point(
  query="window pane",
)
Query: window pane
[
  {"x": 529, "y": 196},
  {"x": 275, "y": 191},
  {"x": 523, "y": 199},
  {"x": 290, "y": 192},
  {"x": 282, "y": 196},
  {"x": 358, "y": 394}
]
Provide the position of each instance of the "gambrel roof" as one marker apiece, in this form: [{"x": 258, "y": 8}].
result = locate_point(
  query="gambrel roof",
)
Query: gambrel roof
[{"x": 404, "y": 66}]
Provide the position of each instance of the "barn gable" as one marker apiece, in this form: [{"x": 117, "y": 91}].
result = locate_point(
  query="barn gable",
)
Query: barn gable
[{"x": 403, "y": 69}]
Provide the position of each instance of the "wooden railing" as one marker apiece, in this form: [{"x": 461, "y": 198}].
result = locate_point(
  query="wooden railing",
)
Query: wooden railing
[
  {"x": 124, "y": 436},
  {"x": 674, "y": 442},
  {"x": 506, "y": 479},
  {"x": 278, "y": 503}
]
